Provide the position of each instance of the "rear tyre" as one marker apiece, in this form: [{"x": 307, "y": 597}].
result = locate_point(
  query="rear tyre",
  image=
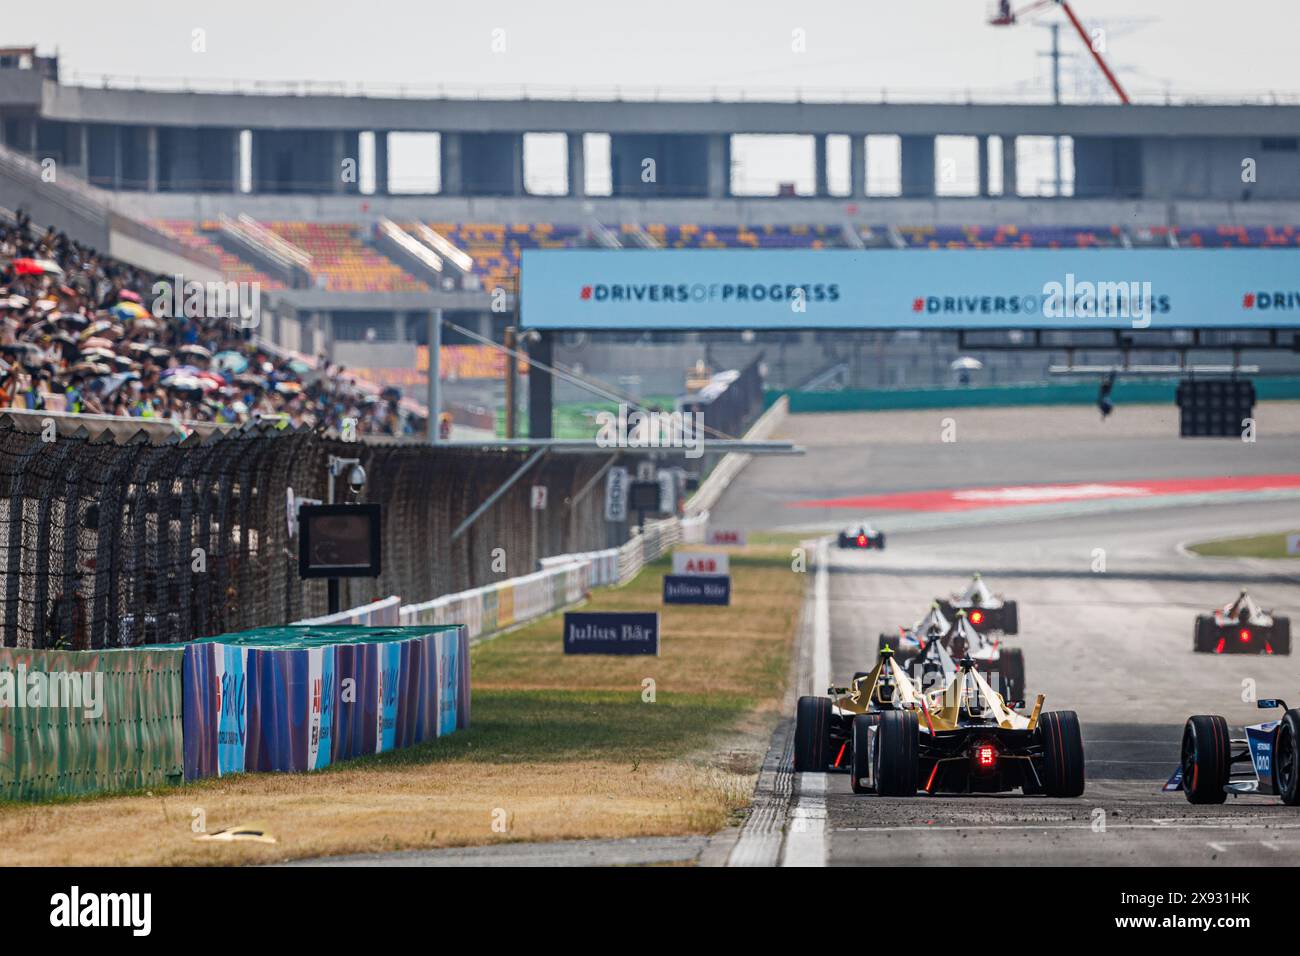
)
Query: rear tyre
[
  {"x": 1207, "y": 758},
  {"x": 1013, "y": 674},
  {"x": 896, "y": 754},
  {"x": 1203, "y": 641},
  {"x": 812, "y": 730},
  {"x": 1281, "y": 642},
  {"x": 1286, "y": 759},
  {"x": 946, "y": 609},
  {"x": 1062, "y": 754},
  {"x": 860, "y": 747},
  {"x": 1010, "y": 618},
  {"x": 880, "y": 541}
]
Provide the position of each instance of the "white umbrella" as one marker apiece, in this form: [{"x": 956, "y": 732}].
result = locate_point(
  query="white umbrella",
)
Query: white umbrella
[{"x": 966, "y": 363}]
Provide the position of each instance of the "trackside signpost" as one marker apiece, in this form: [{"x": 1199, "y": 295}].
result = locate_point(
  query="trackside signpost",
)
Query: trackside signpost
[
  {"x": 611, "y": 632},
  {"x": 701, "y": 562},
  {"x": 697, "y": 589}
]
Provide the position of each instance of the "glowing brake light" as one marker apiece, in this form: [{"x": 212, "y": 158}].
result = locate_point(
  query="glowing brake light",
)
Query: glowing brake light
[
  {"x": 985, "y": 755},
  {"x": 1245, "y": 635},
  {"x": 977, "y": 617},
  {"x": 862, "y": 540}
]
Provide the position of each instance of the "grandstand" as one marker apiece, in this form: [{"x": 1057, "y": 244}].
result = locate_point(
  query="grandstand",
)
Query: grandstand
[{"x": 233, "y": 185}]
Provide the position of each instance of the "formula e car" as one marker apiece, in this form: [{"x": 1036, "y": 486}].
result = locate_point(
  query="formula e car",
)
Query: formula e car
[
  {"x": 985, "y": 610},
  {"x": 894, "y": 740},
  {"x": 1267, "y": 761},
  {"x": 928, "y": 649},
  {"x": 1242, "y": 627},
  {"x": 862, "y": 536}
]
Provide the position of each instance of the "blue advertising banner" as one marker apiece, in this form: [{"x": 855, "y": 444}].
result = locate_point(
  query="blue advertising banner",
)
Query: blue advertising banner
[
  {"x": 612, "y": 632},
  {"x": 910, "y": 289},
  {"x": 232, "y": 708},
  {"x": 697, "y": 589},
  {"x": 297, "y": 709}
]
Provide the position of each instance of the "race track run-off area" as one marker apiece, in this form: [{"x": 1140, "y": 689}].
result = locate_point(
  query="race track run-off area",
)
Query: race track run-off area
[{"x": 1107, "y": 597}]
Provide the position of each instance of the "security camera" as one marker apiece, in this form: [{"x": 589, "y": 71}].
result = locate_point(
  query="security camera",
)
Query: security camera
[{"x": 356, "y": 479}]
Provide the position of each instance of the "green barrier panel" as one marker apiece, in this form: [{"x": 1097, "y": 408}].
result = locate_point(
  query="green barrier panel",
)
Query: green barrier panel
[
  {"x": 117, "y": 725},
  {"x": 1130, "y": 392}
]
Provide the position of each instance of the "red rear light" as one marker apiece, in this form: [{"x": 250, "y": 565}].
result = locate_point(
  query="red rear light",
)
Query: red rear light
[
  {"x": 1245, "y": 635},
  {"x": 977, "y": 617},
  {"x": 985, "y": 755},
  {"x": 862, "y": 539},
  {"x": 1218, "y": 648}
]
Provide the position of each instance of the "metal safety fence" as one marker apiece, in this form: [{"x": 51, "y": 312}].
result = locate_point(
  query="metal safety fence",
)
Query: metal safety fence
[{"x": 108, "y": 543}]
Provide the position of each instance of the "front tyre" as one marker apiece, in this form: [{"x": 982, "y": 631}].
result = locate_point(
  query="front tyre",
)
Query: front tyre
[
  {"x": 812, "y": 730},
  {"x": 1062, "y": 754},
  {"x": 1206, "y": 758},
  {"x": 1286, "y": 759}
]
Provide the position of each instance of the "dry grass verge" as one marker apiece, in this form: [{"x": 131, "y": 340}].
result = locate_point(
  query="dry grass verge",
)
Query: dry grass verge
[{"x": 558, "y": 748}]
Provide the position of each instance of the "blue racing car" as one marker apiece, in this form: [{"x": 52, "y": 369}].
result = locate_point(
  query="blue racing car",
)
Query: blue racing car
[{"x": 1214, "y": 765}]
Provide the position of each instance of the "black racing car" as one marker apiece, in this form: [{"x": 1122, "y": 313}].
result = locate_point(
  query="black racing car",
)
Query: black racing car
[
  {"x": 1242, "y": 627},
  {"x": 985, "y": 610},
  {"x": 961, "y": 739},
  {"x": 863, "y": 537}
]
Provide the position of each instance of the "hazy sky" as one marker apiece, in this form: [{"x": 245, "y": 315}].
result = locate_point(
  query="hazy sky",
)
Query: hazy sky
[
  {"x": 944, "y": 46},
  {"x": 1193, "y": 45}
]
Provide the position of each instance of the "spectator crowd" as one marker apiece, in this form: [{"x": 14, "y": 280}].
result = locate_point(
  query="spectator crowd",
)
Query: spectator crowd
[{"x": 78, "y": 334}]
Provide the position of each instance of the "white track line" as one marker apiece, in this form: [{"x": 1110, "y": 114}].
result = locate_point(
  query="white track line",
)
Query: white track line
[{"x": 805, "y": 835}]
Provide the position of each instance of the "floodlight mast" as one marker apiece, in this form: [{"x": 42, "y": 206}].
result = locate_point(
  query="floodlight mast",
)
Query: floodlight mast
[{"x": 1006, "y": 17}]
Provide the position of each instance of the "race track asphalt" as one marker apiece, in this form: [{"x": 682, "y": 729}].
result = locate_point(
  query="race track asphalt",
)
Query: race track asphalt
[{"x": 1114, "y": 645}]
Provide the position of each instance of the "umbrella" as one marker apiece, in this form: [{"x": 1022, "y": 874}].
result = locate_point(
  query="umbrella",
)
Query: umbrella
[
  {"x": 95, "y": 328},
  {"x": 74, "y": 319},
  {"x": 231, "y": 362},
  {"x": 127, "y": 311},
  {"x": 144, "y": 324},
  {"x": 189, "y": 370},
  {"x": 128, "y": 296},
  {"x": 97, "y": 342},
  {"x": 288, "y": 388},
  {"x": 299, "y": 367},
  {"x": 966, "y": 363},
  {"x": 36, "y": 267},
  {"x": 99, "y": 353},
  {"x": 183, "y": 383},
  {"x": 198, "y": 350}
]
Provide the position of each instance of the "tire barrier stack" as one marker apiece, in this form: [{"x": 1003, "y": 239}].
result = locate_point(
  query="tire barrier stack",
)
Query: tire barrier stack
[
  {"x": 274, "y": 699},
  {"x": 293, "y": 698}
]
